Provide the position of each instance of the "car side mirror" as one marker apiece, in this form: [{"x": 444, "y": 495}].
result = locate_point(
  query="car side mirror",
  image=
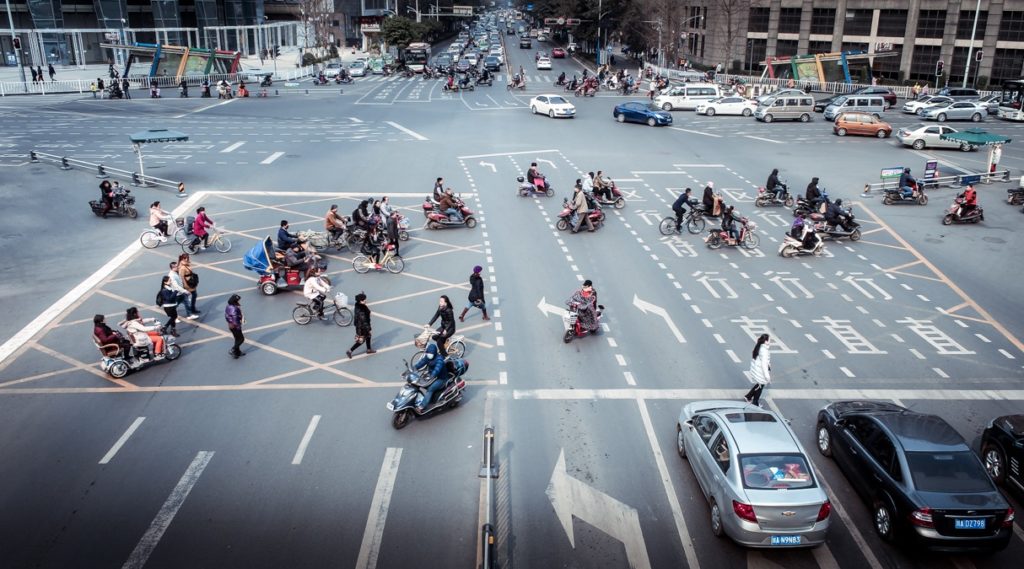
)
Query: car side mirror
[
  {"x": 841, "y": 423},
  {"x": 689, "y": 424}
]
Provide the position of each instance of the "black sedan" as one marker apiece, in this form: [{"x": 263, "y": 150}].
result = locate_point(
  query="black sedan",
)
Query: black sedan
[
  {"x": 924, "y": 485},
  {"x": 641, "y": 112},
  {"x": 1002, "y": 451}
]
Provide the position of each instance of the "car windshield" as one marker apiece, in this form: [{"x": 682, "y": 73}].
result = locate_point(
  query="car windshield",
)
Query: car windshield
[
  {"x": 947, "y": 472},
  {"x": 557, "y": 101},
  {"x": 775, "y": 471},
  {"x": 652, "y": 106}
]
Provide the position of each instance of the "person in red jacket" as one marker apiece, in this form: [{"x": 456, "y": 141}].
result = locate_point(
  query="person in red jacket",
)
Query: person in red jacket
[
  {"x": 106, "y": 335},
  {"x": 970, "y": 202}
]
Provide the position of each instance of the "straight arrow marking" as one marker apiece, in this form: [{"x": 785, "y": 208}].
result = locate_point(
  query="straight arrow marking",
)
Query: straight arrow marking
[
  {"x": 646, "y": 307},
  {"x": 548, "y": 309}
]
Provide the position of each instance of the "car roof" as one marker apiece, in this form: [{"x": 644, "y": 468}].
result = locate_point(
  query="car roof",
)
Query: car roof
[
  {"x": 920, "y": 432},
  {"x": 755, "y": 430}
]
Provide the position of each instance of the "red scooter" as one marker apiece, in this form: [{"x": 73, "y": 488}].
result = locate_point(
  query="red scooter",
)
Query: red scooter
[
  {"x": 618, "y": 200},
  {"x": 565, "y": 216},
  {"x": 437, "y": 219},
  {"x": 573, "y": 327}
]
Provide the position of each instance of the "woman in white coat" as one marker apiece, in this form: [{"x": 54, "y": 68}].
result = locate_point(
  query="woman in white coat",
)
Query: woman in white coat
[{"x": 760, "y": 370}]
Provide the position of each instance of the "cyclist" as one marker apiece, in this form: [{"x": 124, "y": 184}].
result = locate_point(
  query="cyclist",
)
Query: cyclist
[{"x": 316, "y": 289}]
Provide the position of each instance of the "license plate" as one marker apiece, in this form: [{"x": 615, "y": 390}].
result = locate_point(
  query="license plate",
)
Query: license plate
[
  {"x": 391, "y": 406},
  {"x": 969, "y": 523},
  {"x": 785, "y": 540}
]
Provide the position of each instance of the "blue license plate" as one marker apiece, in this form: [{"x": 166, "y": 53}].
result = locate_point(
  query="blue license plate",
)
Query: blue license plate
[
  {"x": 785, "y": 540},
  {"x": 969, "y": 523}
]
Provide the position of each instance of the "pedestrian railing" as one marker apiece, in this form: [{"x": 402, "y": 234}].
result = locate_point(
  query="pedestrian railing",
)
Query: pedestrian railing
[
  {"x": 102, "y": 171},
  {"x": 956, "y": 180},
  {"x": 488, "y": 470}
]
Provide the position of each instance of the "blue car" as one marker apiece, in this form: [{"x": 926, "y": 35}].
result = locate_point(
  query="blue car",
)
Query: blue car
[{"x": 641, "y": 112}]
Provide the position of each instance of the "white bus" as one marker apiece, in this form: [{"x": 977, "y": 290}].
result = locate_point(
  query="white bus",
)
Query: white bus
[
  {"x": 417, "y": 56},
  {"x": 1010, "y": 100}
]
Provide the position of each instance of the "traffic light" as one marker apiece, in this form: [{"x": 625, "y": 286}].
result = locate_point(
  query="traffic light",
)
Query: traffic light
[
  {"x": 979, "y": 56},
  {"x": 938, "y": 68},
  {"x": 277, "y": 51},
  {"x": 17, "y": 43}
]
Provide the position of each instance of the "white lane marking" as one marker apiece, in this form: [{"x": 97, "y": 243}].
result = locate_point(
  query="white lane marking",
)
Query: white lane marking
[
  {"x": 120, "y": 442},
  {"x": 272, "y": 157},
  {"x": 612, "y": 343},
  {"x": 677, "y": 511},
  {"x": 823, "y": 555},
  {"x": 732, "y": 356},
  {"x": 370, "y": 548},
  {"x": 777, "y": 393},
  {"x": 763, "y": 139},
  {"x": 504, "y": 154},
  {"x": 828, "y": 354},
  {"x": 846, "y": 371},
  {"x": 503, "y": 377},
  {"x": 691, "y": 132},
  {"x": 1007, "y": 354},
  {"x": 233, "y": 147},
  {"x": 411, "y": 133},
  {"x": 201, "y": 109},
  {"x": 698, "y": 165},
  {"x": 629, "y": 378},
  {"x": 620, "y": 359},
  {"x": 304, "y": 443},
  {"x": 940, "y": 373},
  {"x": 163, "y": 518},
  {"x": 917, "y": 353}
]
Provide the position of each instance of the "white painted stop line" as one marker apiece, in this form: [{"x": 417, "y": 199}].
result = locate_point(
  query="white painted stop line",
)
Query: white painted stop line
[{"x": 272, "y": 157}]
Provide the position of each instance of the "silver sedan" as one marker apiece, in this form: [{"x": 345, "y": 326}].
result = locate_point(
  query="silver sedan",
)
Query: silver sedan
[
  {"x": 955, "y": 111},
  {"x": 760, "y": 487}
]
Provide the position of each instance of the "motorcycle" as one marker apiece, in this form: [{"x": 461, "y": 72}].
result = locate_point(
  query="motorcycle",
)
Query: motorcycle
[
  {"x": 123, "y": 202},
  {"x": 457, "y": 86},
  {"x": 836, "y": 232},
  {"x": 806, "y": 208},
  {"x": 895, "y": 195},
  {"x": 618, "y": 201},
  {"x": 120, "y": 359},
  {"x": 521, "y": 85},
  {"x": 768, "y": 199},
  {"x": 489, "y": 81},
  {"x": 266, "y": 81},
  {"x": 339, "y": 80},
  {"x": 567, "y": 217},
  {"x": 747, "y": 239},
  {"x": 793, "y": 247},
  {"x": 437, "y": 219},
  {"x": 408, "y": 73},
  {"x": 416, "y": 383},
  {"x": 584, "y": 91},
  {"x": 1015, "y": 196},
  {"x": 320, "y": 80},
  {"x": 573, "y": 327},
  {"x": 526, "y": 189},
  {"x": 953, "y": 213}
]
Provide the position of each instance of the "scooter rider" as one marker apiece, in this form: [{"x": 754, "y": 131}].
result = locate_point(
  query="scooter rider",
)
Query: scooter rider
[
  {"x": 315, "y": 289},
  {"x": 970, "y": 202},
  {"x": 585, "y": 301},
  {"x": 808, "y": 237},
  {"x": 679, "y": 206},
  {"x": 438, "y": 188},
  {"x": 449, "y": 205},
  {"x": 579, "y": 205},
  {"x": 361, "y": 213},
  {"x": 729, "y": 224},
  {"x": 446, "y": 313},
  {"x": 774, "y": 185},
  {"x": 588, "y": 182},
  {"x": 602, "y": 187},
  {"x": 907, "y": 184},
  {"x": 561, "y": 79},
  {"x": 813, "y": 194},
  {"x": 285, "y": 238},
  {"x": 796, "y": 230},
  {"x": 434, "y": 364},
  {"x": 533, "y": 174},
  {"x": 834, "y": 214}
]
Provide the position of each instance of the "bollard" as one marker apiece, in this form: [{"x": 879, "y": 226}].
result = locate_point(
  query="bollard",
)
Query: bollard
[
  {"x": 487, "y": 468},
  {"x": 341, "y": 91},
  {"x": 488, "y": 542},
  {"x": 64, "y": 165},
  {"x": 32, "y": 156},
  {"x": 276, "y": 93},
  {"x": 307, "y": 91},
  {"x": 136, "y": 179},
  {"x": 181, "y": 190},
  {"x": 101, "y": 172},
  {"x": 489, "y": 471}
]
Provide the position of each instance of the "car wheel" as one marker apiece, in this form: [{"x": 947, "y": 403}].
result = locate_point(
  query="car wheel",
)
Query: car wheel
[
  {"x": 976, "y": 117},
  {"x": 747, "y": 112},
  {"x": 551, "y": 114},
  {"x": 941, "y": 117},
  {"x": 918, "y": 145},
  {"x": 995, "y": 462},
  {"x": 882, "y": 134},
  {"x": 534, "y": 109},
  {"x": 966, "y": 147},
  {"x": 841, "y": 131},
  {"x": 620, "y": 117},
  {"x": 824, "y": 440},
  {"x": 680, "y": 445},
  {"x": 652, "y": 122},
  {"x": 716, "y": 519},
  {"x": 709, "y": 112},
  {"x": 805, "y": 117},
  {"x": 768, "y": 118},
  {"x": 666, "y": 107},
  {"x": 884, "y": 521}
]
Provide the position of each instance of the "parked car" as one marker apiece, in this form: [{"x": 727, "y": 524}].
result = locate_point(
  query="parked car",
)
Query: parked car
[
  {"x": 961, "y": 94},
  {"x": 1002, "y": 451},
  {"x": 916, "y": 106},
  {"x": 955, "y": 111},
  {"x": 543, "y": 63},
  {"x": 332, "y": 70},
  {"x": 918, "y": 475},
  {"x": 557, "y": 53},
  {"x": 928, "y": 136},
  {"x": 727, "y": 106},
  {"x": 641, "y": 112},
  {"x": 863, "y": 123},
  {"x": 553, "y": 106},
  {"x": 755, "y": 475},
  {"x": 357, "y": 69}
]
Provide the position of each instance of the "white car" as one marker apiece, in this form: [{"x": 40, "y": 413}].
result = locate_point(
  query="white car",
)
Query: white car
[
  {"x": 552, "y": 106},
  {"x": 727, "y": 106},
  {"x": 544, "y": 63},
  {"x": 357, "y": 69},
  {"x": 916, "y": 106},
  {"x": 332, "y": 70},
  {"x": 929, "y": 136}
]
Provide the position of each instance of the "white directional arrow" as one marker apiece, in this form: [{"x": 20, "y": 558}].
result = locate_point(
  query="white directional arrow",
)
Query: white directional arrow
[
  {"x": 646, "y": 307},
  {"x": 548, "y": 309},
  {"x": 548, "y": 162},
  {"x": 853, "y": 280},
  {"x": 488, "y": 165},
  {"x": 570, "y": 497}
]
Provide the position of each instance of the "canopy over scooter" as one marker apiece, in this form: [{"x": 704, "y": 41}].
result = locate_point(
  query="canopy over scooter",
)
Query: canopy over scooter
[{"x": 258, "y": 258}]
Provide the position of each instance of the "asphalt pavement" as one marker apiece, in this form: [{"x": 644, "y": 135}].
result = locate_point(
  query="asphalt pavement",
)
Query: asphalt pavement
[{"x": 287, "y": 457}]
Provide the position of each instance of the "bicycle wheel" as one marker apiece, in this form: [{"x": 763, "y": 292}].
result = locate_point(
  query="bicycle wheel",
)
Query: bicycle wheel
[
  {"x": 180, "y": 236},
  {"x": 343, "y": 316},
  {"x": 302, "y": 315},
  {"x": 352, "y": 245},
  {"x": 457, "y": 349},
  {"x": 394, "y": 265},
  {"x": 190, "y": 247},
  {"x": 361, "y": 264},
  {"x": 150, "y": 239},
  {"x": 667, "y": 226},
  {"x": 695, "y": 225},
  {"x": 223, "y": 244}
]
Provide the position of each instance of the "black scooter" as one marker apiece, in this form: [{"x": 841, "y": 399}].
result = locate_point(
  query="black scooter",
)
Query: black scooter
[
  {"x": 1015, "y": 196},
  {"x": 895, "y": 195},
  {"x": 123, "y": 205},
  {"x": 828, "y": 230}
]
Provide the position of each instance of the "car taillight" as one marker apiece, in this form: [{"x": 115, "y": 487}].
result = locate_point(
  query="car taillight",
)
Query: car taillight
[
  {"x": 922, "y": 518},
  {"x": 1008, "y": 520},
  {"x": 744, "y": 511},
  {"x": 825, "y": 510}
]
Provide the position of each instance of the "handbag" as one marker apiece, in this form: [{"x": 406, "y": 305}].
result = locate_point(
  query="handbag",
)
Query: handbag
[{"x": 192, "y": 280}]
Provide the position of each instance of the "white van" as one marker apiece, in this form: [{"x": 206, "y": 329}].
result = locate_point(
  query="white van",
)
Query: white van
[
  {"x": 687, "y": 96},
  {"x": 874, "y": 104}
]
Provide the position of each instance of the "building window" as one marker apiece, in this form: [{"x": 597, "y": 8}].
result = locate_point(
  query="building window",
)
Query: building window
[
  {"x": 823, "y": 21},
  {"x": 966, "y": 23},
  {"x": 1011, "y": 27},
  {"x": 959, "y": 65},
  {"x": 789, "y": 21},
  {"x": 922, "y": 64},
  {"x": 858, "y": 23},
  {"x": 892, "y": 23},
  {"x": 819, "y": 47},
  {"x": 854, "y": 46},
  {"x": 756, "y": 51},
  {"x": 888, "y": 67},
  {"x": 1007, "y": 64},
  {"x": 931, "y": 24},
  {"x": 786, "y": 47},
  {"x": 759, "y": 19}
]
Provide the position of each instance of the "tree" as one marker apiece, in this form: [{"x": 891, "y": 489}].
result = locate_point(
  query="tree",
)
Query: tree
[
  {"x": 316, "y": 17},
  {"x": 725, "y": 18},
  {"x": 400, "y": 31}
]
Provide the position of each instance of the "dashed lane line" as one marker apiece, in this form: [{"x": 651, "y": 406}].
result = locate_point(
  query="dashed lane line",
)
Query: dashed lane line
[
  {"x": 369, "y": 550},
  {"x": 121, "y": 441}
]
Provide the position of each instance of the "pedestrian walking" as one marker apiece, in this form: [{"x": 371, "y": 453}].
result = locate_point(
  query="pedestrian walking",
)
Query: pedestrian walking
[
  {"x": 39, "y": 72},
  {"x": 183, "y": 88},
  {"x": 34, "y": 76},
  {"x": 190, "y": 280},
  {"x": 651, "y": 89},
  {"x": 167, "y": 298},
  {"x": 178, "y": 286},
  {"x": 476, "y": 294},
  {"x": 92, "y": 87},
  {"x": 125, "y": 88},
  {"x": 760, "y": 370},
  {"x": 52, "y": 72},
  {"x": 362, "y": 324},
  {"x": 235, "y": 319}
]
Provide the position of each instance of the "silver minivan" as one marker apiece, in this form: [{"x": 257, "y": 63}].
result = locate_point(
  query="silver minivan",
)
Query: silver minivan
[
  {"x": 687, "y": 96},
  {"x": 790, "y": 106},
  {"x": 874, "y": 104}
]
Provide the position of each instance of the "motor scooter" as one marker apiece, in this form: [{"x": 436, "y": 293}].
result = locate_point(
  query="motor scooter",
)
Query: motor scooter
[
  {"x": 618, "y": 201},
  {"x": 806, "y": 208},
  {"x": 748, "y": 238},
  {"x": 573, "y": 327},
  {"x": 403, "y": 406},
  {"x": 120, "y": 359},
  {"x": 766, "y": 198},
  {"x": 895, "y": 195},
  {"x": 833, "y": 231},
  {"x": 954, "y": 215},
  {"x": 438, "y": 219},
  {"x": 1015, "y": 196},
  {"x": 567, "y": 217},
  {"x": 526, "y": 189},
  {"x": 793, "y": 247},
  {"x": 123, "y": 205}
]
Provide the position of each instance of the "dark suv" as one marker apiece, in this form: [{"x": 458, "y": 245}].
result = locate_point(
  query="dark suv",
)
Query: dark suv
[
  {"x": 924, "y": 485},
  {"x": 885, "y": 92},
  {"x": 525, "y": 43},
  {"x": 960, "y": 94},
  {"x": 1002, "y": 451}
]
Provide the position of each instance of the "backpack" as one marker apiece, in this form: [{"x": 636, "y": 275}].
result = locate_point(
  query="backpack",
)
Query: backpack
[{"x": 192, "y": 280}]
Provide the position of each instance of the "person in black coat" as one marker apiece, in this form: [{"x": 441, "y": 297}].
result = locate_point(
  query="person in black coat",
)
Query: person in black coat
[
  {"x": 362, "y": 323},
  {"x": 447, "y": 315},
  {"x": 476, "y": 294}
]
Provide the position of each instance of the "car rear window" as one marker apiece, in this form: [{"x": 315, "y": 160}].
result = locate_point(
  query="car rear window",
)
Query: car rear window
[
  {"x": 775, "y": 471},
  {"x": 947, "y": 472}
]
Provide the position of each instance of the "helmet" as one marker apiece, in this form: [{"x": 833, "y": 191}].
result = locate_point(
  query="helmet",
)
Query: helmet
[
  {"x": 431, "y": 351},
  {"x": 839, "y": 202},
  {"x": 520, "y": 179}
]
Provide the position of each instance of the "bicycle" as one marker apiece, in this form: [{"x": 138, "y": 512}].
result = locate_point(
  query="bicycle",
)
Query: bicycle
[
  {"x": 150, "y": 238},
  {"x": 362, "y": 264},
  {"x": 694, "y": 221},
  {"x": 342, "y": 315},
  {"x": 455, "y": 347},
  {"x": 216, "y": 239}
]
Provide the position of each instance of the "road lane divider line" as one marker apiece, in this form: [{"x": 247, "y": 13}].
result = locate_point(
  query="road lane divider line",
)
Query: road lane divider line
[
  {"x": 233, "y": 147},
  {"x": 772, "y": 140},
  {"x": 695, "y": 132},
  {"x": 369, "y": 550},
  {"x": 272, "y": 157},
  {"x": 925, "y": 394},
  {"x": 304, "y": 443},
  {"x": 201, "y": 109},
  {"x": 692, "y": 561},
  {"x": 120, "y": 442},
  {"x": 411, "y": 133},
  {"x": 165, "y": 516}
]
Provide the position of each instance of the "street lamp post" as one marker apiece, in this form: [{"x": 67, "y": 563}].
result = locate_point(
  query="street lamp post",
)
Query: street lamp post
[
  {"x": 970, "y": 48},
  {"x": 17, "y": 52}
]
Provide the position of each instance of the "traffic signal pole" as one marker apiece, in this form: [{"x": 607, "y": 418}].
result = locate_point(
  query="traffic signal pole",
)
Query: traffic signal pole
[{"x": 14, "y": 40}]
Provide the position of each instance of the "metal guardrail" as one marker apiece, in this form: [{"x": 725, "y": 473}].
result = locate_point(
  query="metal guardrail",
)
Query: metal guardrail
[
  {"x": 946, "y": 181},
  {"x": 488, "y": 541},
  {"x": 102, "y": 171}
]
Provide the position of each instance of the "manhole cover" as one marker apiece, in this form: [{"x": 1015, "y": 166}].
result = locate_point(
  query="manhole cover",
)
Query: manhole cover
[{"x": 993, "y": 240}]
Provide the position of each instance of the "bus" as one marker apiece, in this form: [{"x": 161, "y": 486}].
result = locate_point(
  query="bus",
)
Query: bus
[
  {"x": 417, "y": 56},
  {"x": 1010, "y": 100}
]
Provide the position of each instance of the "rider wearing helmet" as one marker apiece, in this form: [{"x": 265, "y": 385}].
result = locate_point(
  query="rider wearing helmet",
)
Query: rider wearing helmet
[
  {"x": 434, "y": 364},
  {"x": 907, "y": 184},
  {"x": 970, "y": 202}
]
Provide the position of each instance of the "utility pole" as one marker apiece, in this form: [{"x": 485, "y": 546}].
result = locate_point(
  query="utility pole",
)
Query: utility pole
[
  {"x": 17, "y": 51},
  {"x": 970, "y": 48},
  {"x": 597, "y": 51}
]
